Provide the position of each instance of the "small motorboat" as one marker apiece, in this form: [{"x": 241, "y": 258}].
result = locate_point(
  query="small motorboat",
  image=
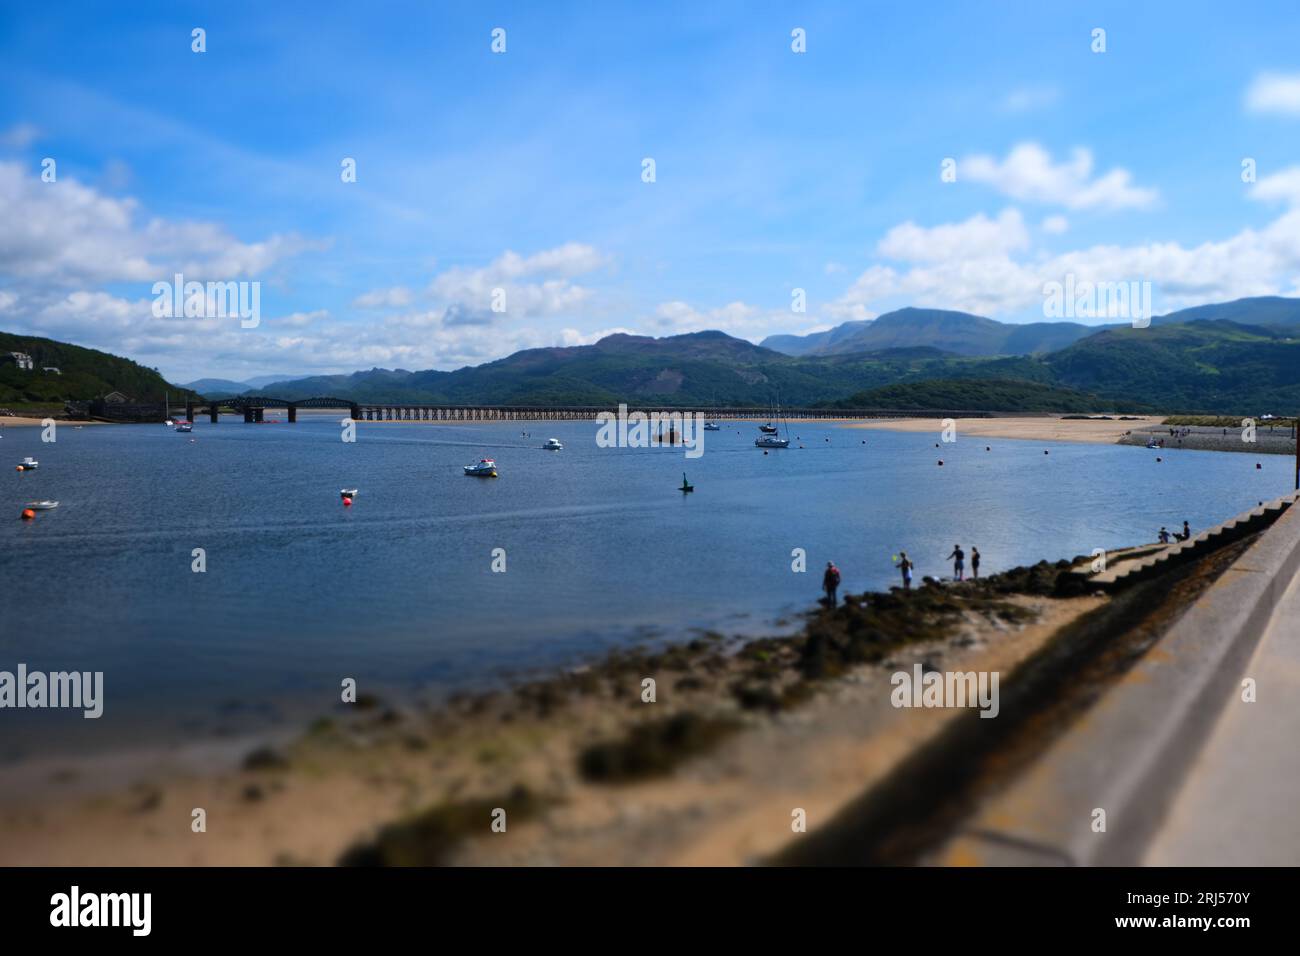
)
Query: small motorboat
[
  {"x": 42, "y": 505},
  {"x": 768, "y": 429},
  {"x": 347, "y": 492},
  {"x": 771, "y": 441},
  {"x": 185, "y": 426},
  {"x": 712, "y": 427},
  {"x": 28, "y": 464},
  {"x": 552, "y": 444},
  {"x": 483, "y": 468}
]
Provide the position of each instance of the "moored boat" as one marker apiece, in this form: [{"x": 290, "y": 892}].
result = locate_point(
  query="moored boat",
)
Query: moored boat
[
  {"x": 712, "y": 427},
  {"x": 483, "y": 468},
  {"x": 771, "y": 441},
  {"x": 768, "y": 429},
  {"x": 185, "y": 426},
  {"x": 28, "y": 464},
  {"x": 42, "y": 505},
  {"x": 552, "y": 444}
]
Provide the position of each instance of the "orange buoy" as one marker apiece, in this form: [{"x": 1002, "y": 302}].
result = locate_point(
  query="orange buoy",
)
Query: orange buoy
[
  {"x": 347, "y": 502},
  {"x": 19, "y": 468},
  {"x": 28, "y": 514}
]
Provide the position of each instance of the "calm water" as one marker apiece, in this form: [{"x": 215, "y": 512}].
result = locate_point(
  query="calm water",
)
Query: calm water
[{"x": 601, "y": 549}]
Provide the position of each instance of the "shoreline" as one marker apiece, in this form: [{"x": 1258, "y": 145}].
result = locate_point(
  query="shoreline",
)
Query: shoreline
[{"x": 740, "y": 730}]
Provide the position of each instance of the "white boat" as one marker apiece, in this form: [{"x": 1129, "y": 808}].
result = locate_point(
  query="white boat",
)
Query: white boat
[
  {"x": 484, "y": 468},
  {"x": 42, "y": 505},
  {"x": 347, "y": 492},
  {"x": 184, "y": 426},
  {"x": 552, "y": 444},
  {"x": 768, "y": 429},
  {"x": 712, "y": 427},
  {"x": 28, "y": 464}
]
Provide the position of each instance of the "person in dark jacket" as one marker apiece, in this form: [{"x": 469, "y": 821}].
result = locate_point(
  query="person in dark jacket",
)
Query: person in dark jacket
[
  {"x": 831, "y": 583},
  {"x": 974, "y": 562}
]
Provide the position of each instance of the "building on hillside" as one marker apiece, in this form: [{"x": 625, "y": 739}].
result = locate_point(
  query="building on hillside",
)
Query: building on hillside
[
  {"x": 116, "y": 398},
  {"x": 21, "y": 359}
]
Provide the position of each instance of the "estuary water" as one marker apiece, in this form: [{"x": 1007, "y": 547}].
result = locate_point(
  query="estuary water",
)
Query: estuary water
[{"x": 600, "y": 549}]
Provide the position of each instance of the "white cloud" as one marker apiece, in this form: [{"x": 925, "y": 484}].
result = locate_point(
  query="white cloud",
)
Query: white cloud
[
  {"x": 1029, "y": 175},
  {"x": 397, "y": 297},
  {"x": 469, "y": 294},
  {"x": 1004, "y": 278},
  {"x": 1275, "y": 93},
  {"x": 19, "y": 136},
  {"x": 1029, "y": 98},
  {"x": 65, "y": 235},
  {"x": 1055, "y": 225},
  {"x": 977, "y": 236},
  {"x": 1283, "y": 186}
]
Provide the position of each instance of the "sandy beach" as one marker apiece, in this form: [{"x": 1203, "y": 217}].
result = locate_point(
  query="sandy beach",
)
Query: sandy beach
[
  {"x": 1031, "y": 428},
  {"x": 22, "y": 421}
]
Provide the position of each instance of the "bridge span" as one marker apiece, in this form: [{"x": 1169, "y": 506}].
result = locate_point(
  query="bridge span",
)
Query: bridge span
[{"x": 253, "y": 409}]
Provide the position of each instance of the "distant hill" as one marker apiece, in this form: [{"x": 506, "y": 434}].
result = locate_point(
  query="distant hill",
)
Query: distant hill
[
  {"x": 958, "y": 332},
  {"x": 84, "y": 374},
  {"x": 1201, "y": 366},
  {"x": 222, "y": 387},
  {"x": 813, "y": 341},
  {"x": 1269, "y": 310}
]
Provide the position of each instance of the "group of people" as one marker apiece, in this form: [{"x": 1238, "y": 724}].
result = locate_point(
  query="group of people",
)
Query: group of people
[
  {"x": 1165, "y": 535},
  {"x": 831, "y": 578}
]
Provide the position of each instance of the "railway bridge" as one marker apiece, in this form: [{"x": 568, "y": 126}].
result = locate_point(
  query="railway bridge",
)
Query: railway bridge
[{"x": 253, "y": 409}]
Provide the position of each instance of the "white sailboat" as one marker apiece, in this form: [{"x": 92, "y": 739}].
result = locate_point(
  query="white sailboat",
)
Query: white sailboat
[{"x": 769, "y": 438}]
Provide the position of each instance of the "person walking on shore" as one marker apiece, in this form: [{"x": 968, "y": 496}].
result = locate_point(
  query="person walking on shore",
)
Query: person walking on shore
[
  {"x": 974, "y": 562},
  {"x": 831, "y": 583},
  {"x": 959, "y": 561},
  {"x": 905, "y": 565}
]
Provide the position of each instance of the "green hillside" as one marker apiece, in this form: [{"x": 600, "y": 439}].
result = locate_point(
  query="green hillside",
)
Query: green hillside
[
  {"x": 1204, "y": 366},
  {"x": 86, "y": 374}
]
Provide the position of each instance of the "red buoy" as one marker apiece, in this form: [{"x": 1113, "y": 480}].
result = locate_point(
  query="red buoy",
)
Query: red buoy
[
  {"x": 347, "y": 502},
  {"x": 28, "y": 514}
]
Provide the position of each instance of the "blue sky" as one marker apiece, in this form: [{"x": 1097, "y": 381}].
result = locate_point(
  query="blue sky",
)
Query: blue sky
[{"x": 522, "y": 171}]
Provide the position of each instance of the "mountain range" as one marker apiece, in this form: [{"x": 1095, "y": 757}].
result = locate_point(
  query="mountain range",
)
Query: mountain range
[
  {"x": 1235, "y": 357},
  {"x": 1241, "y": 356}
]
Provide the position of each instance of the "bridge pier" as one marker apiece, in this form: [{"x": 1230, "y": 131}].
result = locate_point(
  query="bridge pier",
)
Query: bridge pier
[
  {"x": 248, "y": 416},
  {"x": 189, "y": 411},
  {"x": 293, "y": 414},
  {"x": 213, "y": 414}
]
